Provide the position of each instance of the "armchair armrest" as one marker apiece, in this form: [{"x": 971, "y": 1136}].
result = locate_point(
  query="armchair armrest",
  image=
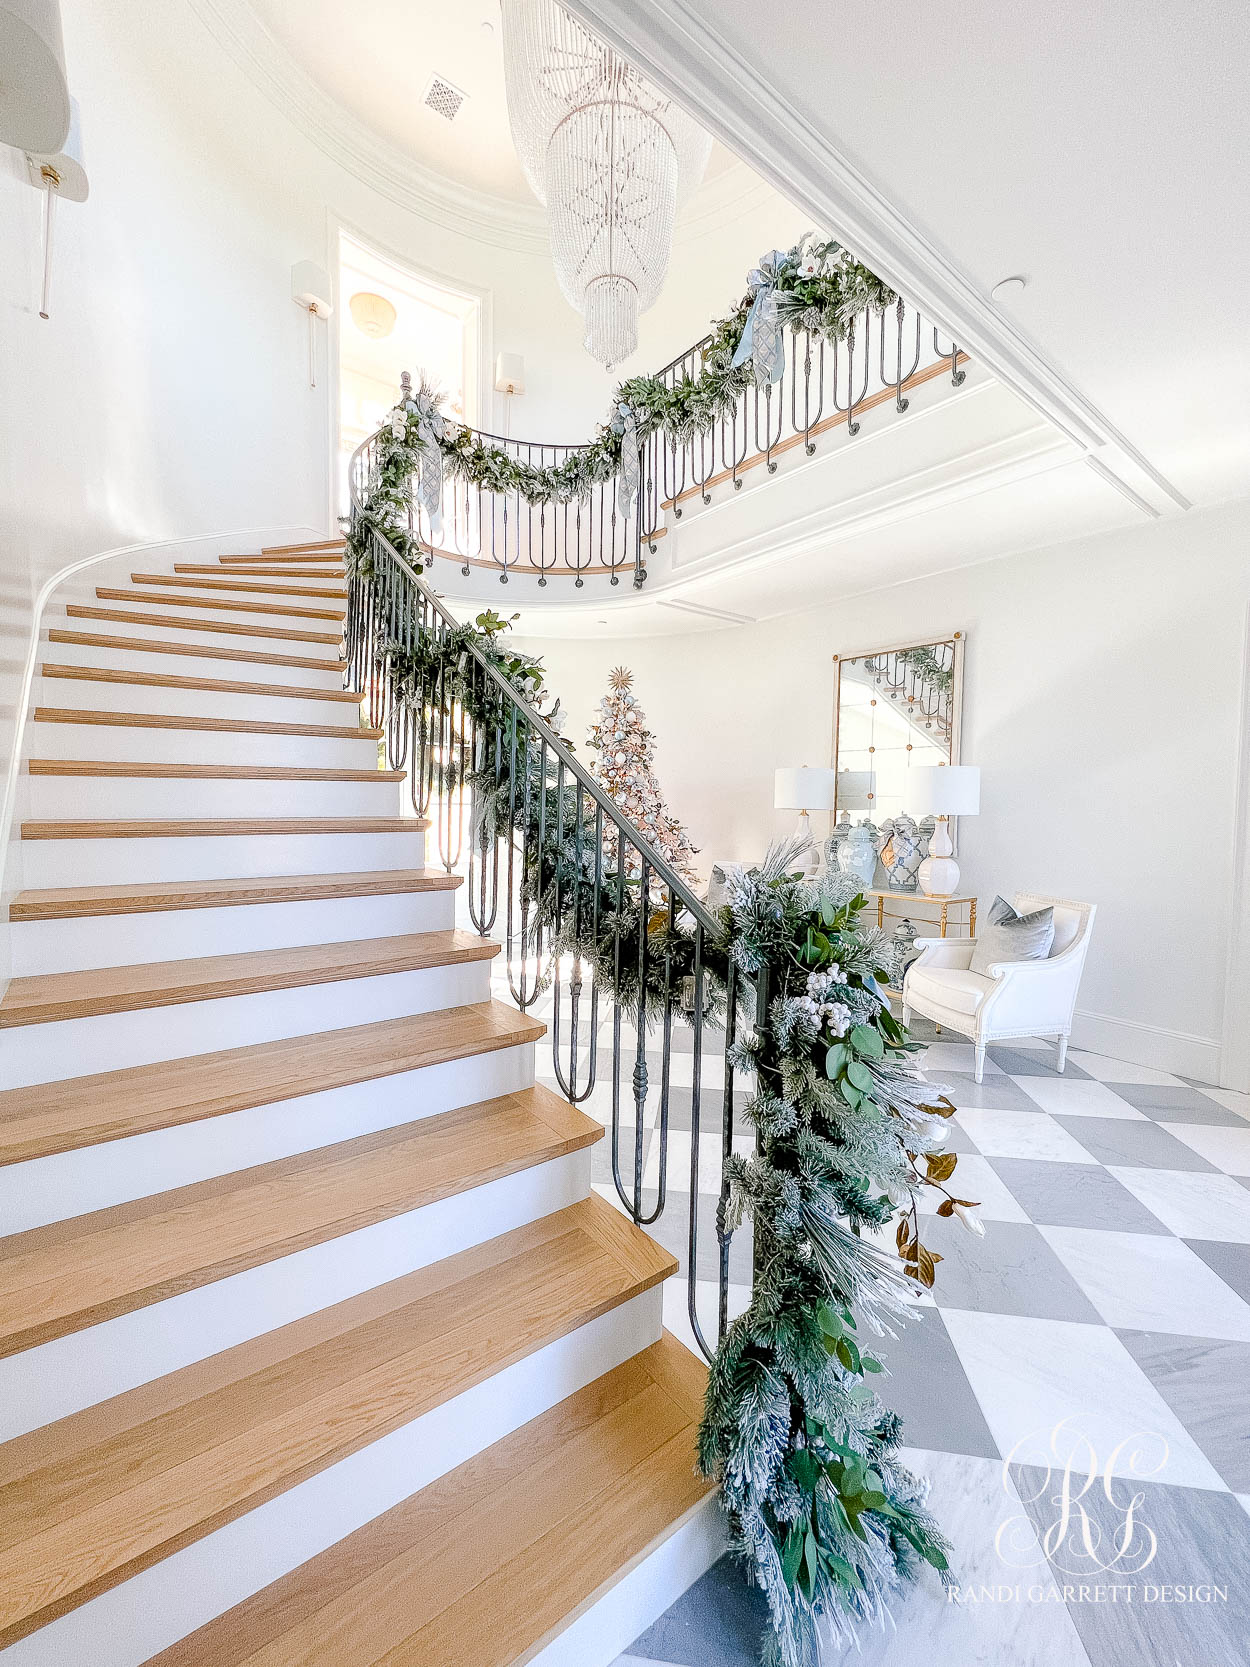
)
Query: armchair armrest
[{"x": 944, "y": 952}]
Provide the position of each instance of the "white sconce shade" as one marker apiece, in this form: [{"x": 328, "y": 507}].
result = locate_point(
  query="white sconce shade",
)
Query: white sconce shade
[
  {"x": 68, "y": 178},
  {"x": 804, "y": 788},
  {"x": 373, "y": 315},
  {"x": 34, "y": 94},
  {"x": 311, "y": 288},
  {"x": 944, "y": 790},
  {"x": 509, "y": 374}
]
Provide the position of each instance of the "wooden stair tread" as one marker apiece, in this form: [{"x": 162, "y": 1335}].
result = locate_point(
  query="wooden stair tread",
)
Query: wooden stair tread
[
  {"x": 75, "y": 902},
  {"x": 213, "y": 772},
  {"x": 222, "y": 827},
  {"x": 224, "y": 627},
  {"x": 200, "y": 651},
  {"x": 62, "y": 1278},
  {"x": 488, "y": 1562},
  {"x": 236, "y": 726},
  {"x": 273, "y": 570},
  {"x": 108, "y": 593},
  {"x": 94, "y": 1498},
  {"x": 338, "y": 544},
  {"x": 113, "y": 1105},
  {"x": 232, "y": 584},
  {"x": 44, "y": 998},
  {"x": 210, "y": 685}
]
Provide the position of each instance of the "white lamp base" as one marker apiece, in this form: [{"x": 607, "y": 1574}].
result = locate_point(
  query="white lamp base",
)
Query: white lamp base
[{"x": 939, "y": 872}]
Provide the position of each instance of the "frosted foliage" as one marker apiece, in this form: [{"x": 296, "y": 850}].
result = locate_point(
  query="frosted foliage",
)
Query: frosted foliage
[{"x": 611, "y": 157}]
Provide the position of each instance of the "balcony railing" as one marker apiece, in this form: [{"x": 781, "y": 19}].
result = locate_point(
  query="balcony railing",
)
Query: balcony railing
[{"x": 827, "y": 387}]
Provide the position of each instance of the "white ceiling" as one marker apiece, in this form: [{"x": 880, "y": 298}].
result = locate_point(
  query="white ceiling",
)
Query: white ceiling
[
  {"x": 1100, "y": 149},
  {"x": 374, "y": 58}
]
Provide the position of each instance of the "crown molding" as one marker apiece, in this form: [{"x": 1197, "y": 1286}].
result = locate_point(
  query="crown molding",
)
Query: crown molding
[
  {"x": 356, "y": 147},
  {"x": 683, "y": 54}
]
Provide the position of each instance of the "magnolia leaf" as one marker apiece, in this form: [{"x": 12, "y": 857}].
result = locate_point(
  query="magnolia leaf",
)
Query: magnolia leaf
[
  {"x": 904, "y": 1231},
  {"x": 940, "y": 1165},
  {"x": 925, "y": 1266},
  {"x": 946, "y": 1207}
]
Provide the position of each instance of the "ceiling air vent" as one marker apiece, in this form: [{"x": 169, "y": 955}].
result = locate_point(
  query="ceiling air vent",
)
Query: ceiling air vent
[{"x": 444, "y": 99}]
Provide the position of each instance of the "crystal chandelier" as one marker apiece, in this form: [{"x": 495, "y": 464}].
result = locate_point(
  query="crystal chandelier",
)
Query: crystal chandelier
[{"x": 610, "y": 156}]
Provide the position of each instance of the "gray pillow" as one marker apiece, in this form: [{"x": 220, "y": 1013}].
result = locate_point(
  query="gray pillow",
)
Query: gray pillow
[{"x": 1011, "y": 937}]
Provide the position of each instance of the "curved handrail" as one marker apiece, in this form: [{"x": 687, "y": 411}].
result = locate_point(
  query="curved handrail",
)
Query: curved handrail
[{"x": 659, "y": 865}]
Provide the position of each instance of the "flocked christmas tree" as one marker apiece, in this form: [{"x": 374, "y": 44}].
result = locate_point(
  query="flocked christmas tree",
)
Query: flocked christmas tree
[{"x": 624, "y": 765}]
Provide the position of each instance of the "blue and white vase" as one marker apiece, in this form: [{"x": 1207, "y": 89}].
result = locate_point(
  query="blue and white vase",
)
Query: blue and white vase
[{"x": 857, "y": 853}]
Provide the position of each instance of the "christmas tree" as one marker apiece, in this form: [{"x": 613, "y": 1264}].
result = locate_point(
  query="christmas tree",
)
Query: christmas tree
[{"x": 625, "y": 752}]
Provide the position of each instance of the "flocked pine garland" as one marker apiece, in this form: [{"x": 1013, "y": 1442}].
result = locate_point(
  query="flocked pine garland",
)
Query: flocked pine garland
[
  {"x": 816, "y": 286},
  {"x": 795, "y": 1431}
]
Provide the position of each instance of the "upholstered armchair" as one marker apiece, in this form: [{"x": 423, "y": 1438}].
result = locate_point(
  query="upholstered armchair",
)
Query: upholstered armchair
[{"x": 1012, "y": 998}]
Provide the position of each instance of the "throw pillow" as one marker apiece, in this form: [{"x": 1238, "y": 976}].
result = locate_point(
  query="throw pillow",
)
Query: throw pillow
[{"x": 1008, "y": 936}]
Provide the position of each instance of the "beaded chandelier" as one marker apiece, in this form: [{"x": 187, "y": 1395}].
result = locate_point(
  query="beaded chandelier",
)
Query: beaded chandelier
[{"x": 609, "y": 155}]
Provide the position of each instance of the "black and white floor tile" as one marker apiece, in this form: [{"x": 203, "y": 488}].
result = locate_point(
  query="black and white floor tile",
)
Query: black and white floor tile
[{"x": 1102, "y": 1323}]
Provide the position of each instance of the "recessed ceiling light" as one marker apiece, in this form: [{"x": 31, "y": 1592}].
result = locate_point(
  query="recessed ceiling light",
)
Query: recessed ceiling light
[{"x": 1008, "y": 289}]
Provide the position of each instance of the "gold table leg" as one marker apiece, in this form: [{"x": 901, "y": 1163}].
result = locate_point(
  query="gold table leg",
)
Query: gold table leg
[
  {"x": 972, "y": 918},
  {"x": 945, "y": 906}
]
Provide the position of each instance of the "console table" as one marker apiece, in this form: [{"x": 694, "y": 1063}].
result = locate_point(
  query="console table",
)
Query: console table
[{"x": 915, "y": 898}]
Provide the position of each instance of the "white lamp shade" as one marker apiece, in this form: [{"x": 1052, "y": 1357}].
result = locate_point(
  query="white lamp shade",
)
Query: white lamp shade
[
  {"x": 509, "y": 374},
  {"x": 944, "y": 790},
  {"x": 804, "y": 788},
  {"x": 310, "y": 286},
  {"x": 34, "y": 95},
  {"x": 71, "y": 175}
]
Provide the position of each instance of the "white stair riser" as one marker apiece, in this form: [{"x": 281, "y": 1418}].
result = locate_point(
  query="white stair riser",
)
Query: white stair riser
[
  {"x": 601, "y": 1632},
  {"x": 194, "y": 703},
  {"x": 217, "y": 611},
  {"x": 113, "y": 743},
  {"x": 125, "y": 1626},
  {"x": 171, "y": 798},
  {"x": 145, "y": 625},
  {"x": 106, "y": 862},
  {"x": 113, "y": 1041},
  {"x": 42, "y": 946},
  {"x": 114, "y": 1172},
  {"x": 194, "y": 665},
  {"x": 61, "y": 1377}
]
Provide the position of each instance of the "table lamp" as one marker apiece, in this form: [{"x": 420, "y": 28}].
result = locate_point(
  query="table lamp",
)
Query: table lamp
[
  {"x": 942, "y": 791},
  {"x": 803, "y": 789}
]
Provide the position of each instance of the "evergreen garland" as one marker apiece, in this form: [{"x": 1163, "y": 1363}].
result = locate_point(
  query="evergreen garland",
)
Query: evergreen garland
[
  {"x": 819, "y": 287},
  {"x": 825, "y": 1518}
]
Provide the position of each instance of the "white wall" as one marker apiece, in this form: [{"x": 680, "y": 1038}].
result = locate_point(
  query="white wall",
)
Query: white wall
[
  {"x": 1103, "y": 699},
  {"x": 168, "y": 396}
]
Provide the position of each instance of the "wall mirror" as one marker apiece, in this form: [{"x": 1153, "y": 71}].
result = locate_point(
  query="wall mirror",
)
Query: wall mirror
[{"x": 894, "y": 708}]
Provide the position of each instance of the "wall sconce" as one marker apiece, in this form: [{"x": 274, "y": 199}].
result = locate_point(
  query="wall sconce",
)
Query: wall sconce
[
  {"x": 509, "y": 380},
  {"x": 310, "y": 289},
  {"x": 34, "y": 95},
  {"x": 60, "y": 174}
]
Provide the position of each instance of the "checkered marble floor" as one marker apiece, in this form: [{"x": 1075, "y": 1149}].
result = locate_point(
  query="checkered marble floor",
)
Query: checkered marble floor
[{"x": 1103, "y": 1322}]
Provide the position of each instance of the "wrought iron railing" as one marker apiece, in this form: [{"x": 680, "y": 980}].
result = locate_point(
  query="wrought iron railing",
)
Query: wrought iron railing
[
  {"x": 585, "y": 905},
  {"x": 825, "y": 386}
]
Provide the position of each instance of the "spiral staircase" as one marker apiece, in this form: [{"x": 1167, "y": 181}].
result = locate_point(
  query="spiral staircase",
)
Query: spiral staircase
[{"x": 316, "y": 1347}]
